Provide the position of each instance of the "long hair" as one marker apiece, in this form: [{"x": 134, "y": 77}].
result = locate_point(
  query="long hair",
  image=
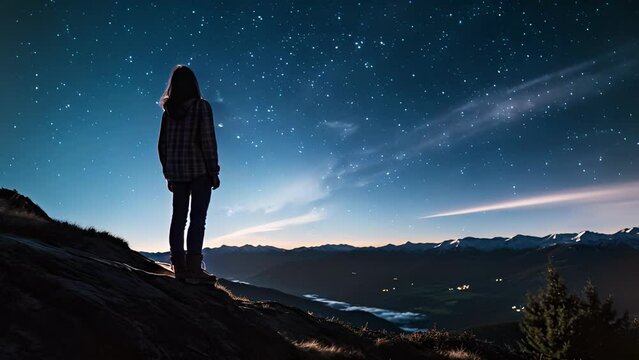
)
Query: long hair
[{"x": 182, "y": 86}]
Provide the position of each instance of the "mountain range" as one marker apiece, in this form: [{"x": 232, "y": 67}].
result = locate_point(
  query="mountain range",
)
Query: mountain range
[
  {"x": 456, "y": 284},
  {"x": 627, "y": 236}
]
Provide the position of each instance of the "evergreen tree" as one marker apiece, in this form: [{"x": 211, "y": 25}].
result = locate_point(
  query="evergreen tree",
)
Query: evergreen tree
[
  {"x": 558, "y": 325},
  {"x": 549, "y": 323}
]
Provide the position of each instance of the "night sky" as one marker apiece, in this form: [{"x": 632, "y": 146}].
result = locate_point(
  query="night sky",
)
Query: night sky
[{"x": 337, "y": 122}]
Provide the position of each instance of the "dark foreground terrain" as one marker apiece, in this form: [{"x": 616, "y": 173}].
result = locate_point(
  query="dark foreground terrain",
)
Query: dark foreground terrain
[{"x": 78, "y": 293}]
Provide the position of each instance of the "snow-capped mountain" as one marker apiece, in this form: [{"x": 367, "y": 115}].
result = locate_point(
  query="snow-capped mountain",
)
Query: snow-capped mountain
[
  {"x": 628, "y": 236},
  {"x": 471, "y": 243},
  {"x": 627, "y": 233}
]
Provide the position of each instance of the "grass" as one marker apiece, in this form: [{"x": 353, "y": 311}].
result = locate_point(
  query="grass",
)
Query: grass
[
  {"x": 449, "y": 345},
  {"x": 313, "y": 349},
  {"x": 20, "y": 216},
  {"x": 53, "y": 231},
  {"x": 230, "y": 293},
  {"x": 460, "y": 354}
]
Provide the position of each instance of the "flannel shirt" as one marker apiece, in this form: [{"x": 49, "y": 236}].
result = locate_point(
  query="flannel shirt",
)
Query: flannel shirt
[{"x": 187, "y": 145}]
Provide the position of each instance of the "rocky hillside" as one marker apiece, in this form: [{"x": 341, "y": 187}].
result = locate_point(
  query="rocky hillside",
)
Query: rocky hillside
[{"x": 69, "y": 292}]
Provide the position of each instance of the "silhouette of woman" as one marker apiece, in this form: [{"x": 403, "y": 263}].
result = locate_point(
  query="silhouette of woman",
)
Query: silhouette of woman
[{"x": 188, "y": 153}]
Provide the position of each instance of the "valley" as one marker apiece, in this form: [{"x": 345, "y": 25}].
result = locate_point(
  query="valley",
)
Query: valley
[{"x": 458, "y": 288}]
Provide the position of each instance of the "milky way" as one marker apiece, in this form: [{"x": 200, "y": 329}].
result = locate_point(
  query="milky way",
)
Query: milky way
[{"x": 337, "y": 121}]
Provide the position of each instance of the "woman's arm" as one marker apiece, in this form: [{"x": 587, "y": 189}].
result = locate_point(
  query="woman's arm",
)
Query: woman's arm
[
  {"x": 208, "y": 142},
  {"x": 162, "y": 142}
]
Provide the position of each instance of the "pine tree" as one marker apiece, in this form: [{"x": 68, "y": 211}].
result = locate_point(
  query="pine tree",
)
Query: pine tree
[
  {"x": 595, "y": 321},
  {"x": 558, "y": 325},
  {"x": 549, "y": 321},
  {"x": 601, "y": 333}
]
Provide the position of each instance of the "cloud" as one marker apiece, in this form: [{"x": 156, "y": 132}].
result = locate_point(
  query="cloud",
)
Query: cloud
[
  {"x": 299, "y": 191},
  {"x": 619, "y": 192},
  {"x": 312, "y": 216},
  {"x": 345, "y": 128},
  {"x": 297, "y": 194}
]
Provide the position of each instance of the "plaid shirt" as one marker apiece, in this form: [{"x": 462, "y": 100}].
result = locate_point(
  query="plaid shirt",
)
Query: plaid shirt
[{"x": 187, "y": 146}]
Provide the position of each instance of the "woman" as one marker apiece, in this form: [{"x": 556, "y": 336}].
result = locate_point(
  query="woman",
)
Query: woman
[{"x": 188, "y": 153}]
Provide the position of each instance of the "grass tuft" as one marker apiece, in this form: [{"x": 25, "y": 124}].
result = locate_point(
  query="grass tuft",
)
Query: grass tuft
[
  {"x": 316, "y": 350},
  {"x": 230, "y": 293},
  {"x": 460, "y": 354}
]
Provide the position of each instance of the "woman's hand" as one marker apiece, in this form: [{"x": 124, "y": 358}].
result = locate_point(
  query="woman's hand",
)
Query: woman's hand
[{"x": 215, "y": 182}]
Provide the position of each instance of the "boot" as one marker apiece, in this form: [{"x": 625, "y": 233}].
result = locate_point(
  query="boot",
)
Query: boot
[
  {"x": 195, "y": 275},
  {"x": 178, "y": 265}
]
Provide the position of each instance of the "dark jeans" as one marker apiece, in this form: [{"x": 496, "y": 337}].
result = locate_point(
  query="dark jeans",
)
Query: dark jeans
[{"x": 199, "y": 192}]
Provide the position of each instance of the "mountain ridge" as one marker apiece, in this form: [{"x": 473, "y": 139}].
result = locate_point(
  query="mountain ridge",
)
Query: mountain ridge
[{"x": 626, "y": 236}]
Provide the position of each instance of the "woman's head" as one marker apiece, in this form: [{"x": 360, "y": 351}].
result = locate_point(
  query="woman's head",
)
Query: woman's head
[{"x": 182, "y": 86}]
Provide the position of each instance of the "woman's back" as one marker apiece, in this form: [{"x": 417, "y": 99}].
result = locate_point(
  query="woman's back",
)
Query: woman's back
[{"x": 187, "y": 146}]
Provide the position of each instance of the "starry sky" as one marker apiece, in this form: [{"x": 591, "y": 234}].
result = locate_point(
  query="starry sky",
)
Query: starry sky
[{"x": 365, "y": 123}]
